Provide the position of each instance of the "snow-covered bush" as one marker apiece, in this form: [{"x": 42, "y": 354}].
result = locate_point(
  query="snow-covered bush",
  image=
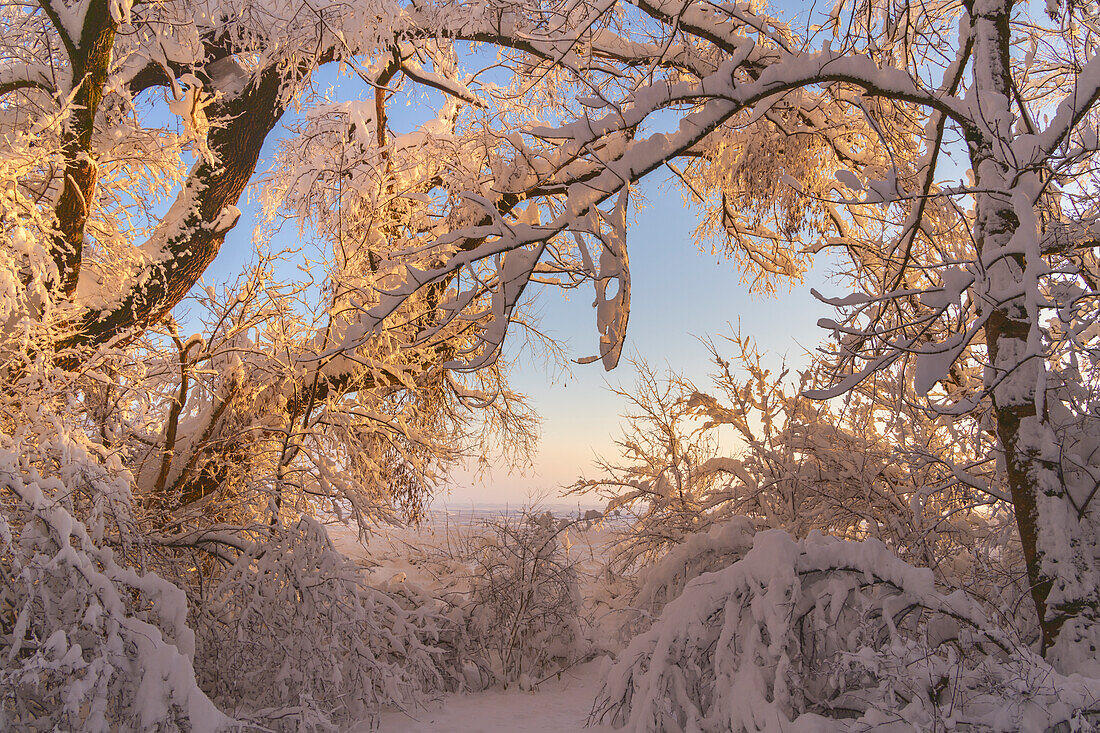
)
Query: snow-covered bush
[
  {"x": 868, "y": 466},
  {"x": 85, "y": 644},
  {"x": 666, "y": 485},
  {"x": 825, "y": 634},
  {"x": 292, "y": 638},
  {"x": 520, "y": 598}
]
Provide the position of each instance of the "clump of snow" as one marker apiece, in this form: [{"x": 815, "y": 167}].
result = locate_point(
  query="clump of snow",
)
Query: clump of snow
[{"x": 190, "y": 103}]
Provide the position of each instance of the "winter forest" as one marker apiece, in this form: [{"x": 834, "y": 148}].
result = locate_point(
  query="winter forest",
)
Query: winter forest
[{"x": 218, "y": 492}]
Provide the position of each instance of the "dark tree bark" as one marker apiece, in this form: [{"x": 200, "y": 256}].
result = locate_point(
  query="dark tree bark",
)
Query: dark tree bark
[
  {"x": 210, "y": 194},
  {"x": 90, "y": 59}
]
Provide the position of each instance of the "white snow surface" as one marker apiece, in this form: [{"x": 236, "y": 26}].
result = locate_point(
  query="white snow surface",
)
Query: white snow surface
[{"x": 557, "y": 706}]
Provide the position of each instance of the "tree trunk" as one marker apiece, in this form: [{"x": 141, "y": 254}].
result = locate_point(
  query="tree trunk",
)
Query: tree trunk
[
  {"x": 1059, "y": 538},
  {"x": 90, "y": 57},
  {"x": 208, "y": 199}
]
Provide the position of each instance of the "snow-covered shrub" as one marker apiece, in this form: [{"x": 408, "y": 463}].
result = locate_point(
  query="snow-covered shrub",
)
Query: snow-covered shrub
[
  {"x": 825, "y": 634},
  {"x": 292, "y": 637},
  {"x": 88, "y": 640},
  {"x": 85, "y": 644},
  {"x": 666, "y": 485},
  {"x": 523, "y": 603},
  {"x": 870, "y": 466},
  {"x": 703, "y": 552}
]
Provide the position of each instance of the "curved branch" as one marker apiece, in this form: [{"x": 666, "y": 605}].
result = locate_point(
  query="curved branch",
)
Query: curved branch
[
  {"x": 193, "y": 231},
  {"x": 15, "y": 77}
]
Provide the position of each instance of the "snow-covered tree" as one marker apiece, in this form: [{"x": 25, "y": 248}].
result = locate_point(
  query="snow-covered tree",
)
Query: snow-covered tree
[{"x": 130, "y": 132}]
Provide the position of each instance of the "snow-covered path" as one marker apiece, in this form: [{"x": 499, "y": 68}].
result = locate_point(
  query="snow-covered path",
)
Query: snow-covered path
[{"x": 559, "y": 706}]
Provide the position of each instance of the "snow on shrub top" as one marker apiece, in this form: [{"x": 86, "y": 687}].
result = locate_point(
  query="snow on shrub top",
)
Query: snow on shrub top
[{"x": 800, "y": 635}]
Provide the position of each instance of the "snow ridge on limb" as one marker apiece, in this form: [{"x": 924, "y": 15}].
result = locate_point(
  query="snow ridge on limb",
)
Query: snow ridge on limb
[
  {"x": 825, "y": 634},
  {"x": 612, "y": 312}
]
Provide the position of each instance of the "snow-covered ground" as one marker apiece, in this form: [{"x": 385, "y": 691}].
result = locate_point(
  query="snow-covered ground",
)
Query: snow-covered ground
[{"x": 557, "y": 706}]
